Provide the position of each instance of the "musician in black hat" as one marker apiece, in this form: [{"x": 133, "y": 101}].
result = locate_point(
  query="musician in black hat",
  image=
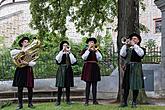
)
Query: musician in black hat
[
  {"x": 64, "y": 77},
  {"x": 91, "y": 70},
  {"x": 133, "y": 53},
  {"x": 23, "y": 76}
]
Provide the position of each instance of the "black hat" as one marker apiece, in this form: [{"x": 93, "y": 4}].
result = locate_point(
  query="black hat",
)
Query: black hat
[
  {"x": 20, "y": 41},
  {"x": 61, "y": 44},
  {"x": 91, "y": 39},
  {"x": 137, "y": 35}
]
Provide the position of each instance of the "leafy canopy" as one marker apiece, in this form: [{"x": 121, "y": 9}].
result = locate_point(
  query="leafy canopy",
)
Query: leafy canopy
[{"x": 87, "y": 15}]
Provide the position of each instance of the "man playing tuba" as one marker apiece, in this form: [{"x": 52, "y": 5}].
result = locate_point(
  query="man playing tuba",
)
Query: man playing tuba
[{"x": 23, "y": 75}]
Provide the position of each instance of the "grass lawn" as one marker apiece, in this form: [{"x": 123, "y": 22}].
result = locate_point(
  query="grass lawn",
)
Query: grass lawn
[{"x": 80, "y": 106}]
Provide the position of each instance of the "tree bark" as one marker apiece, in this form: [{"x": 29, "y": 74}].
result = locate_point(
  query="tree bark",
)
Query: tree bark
[{"x": 128, "y": 23}]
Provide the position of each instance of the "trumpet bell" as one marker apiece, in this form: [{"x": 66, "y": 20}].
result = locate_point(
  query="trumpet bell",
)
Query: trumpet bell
[{"x": 125, "y": 40}]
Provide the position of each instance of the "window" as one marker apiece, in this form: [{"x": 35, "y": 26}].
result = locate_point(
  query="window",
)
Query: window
[{"x": 158, "y": 25}]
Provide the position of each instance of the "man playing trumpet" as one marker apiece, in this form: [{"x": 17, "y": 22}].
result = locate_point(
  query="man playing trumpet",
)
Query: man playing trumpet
[
  {"x": 133, "y": 75},
  {"x": 64, "y": 77},
  {"x": 91, "y": 70}
]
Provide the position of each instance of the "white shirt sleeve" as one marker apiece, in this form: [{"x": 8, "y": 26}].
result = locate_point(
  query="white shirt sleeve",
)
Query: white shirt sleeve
[
  {"x": 85, "y": 55},
  {"x": 138, "y": 50},
  {"x": 98, "y": 56},
  {"x": 32, "y": 63},
  {"x": 123, "y": 52},
  {"x": 14, "y": 52},
  {"x": 72, "y": 58},
  {"x": 59, "y": 56}
]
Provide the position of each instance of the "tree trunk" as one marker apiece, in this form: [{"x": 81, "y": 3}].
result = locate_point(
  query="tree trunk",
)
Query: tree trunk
[{"x": 128, "y": 23}]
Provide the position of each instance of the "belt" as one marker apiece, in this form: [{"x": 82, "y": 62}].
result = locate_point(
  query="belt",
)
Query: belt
[{"x": 90, "y": 61}]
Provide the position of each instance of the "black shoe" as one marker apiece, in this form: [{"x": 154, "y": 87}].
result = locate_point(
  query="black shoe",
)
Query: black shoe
[
  {"x": 86, "y": 104},
  {"x": 123, "y": 105},
  {"x": 133, "y": 105},
  {"x": 31, "y": 106},
  {"x": 95, "y": 103},
  {"x": 57, "y": 103},
  {"x": 19, "y": 107},
  {"x": 69, "y": 103}
]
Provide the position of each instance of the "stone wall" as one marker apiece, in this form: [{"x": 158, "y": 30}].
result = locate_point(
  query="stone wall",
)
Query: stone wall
[
  {"x": 161, "y": 5},
  {"x": 14, "y": 20},
  {"x": 107, "y": 87}
]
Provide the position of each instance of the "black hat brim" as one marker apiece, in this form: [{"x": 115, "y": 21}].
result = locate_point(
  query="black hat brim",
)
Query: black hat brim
[
  {"x": 91, "y": 39},
  {"x": 21, "y": 40},
  {"x": 63, "y": 42},
  {"x": 137, "y": 35}
]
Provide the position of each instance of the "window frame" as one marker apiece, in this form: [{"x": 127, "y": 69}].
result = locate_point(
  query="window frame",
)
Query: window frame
[{"x": 157, "y": 20}]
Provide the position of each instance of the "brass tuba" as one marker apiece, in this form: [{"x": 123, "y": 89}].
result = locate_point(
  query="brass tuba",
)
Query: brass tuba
[{"x": 31, "y": 53}]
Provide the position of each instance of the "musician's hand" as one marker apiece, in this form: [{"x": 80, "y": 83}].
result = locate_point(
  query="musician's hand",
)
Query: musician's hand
[
  {"x": 124, "y": 67},
  {"x": 96, "y": 49},
  {"x": 24, "y": 62},
  {"x": 132, "y": 42},
  {"x": 63, "y": 49},
  {"x": 89, "y": 47},
  {"x": 68, "y": 49}
]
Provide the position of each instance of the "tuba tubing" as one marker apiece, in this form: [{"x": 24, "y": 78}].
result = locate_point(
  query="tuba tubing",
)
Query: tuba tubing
[{"x": 31, "y": 53}]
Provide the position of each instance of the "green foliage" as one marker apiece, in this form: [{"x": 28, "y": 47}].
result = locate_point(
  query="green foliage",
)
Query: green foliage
[
  {"x": 106, "y": 46},
  {"x": 143, "y": 28},
  {"x": 1, "y": 39},
  {"x": 76, "y": 50},
  {"x": 7, "y": 67},
  {"x": 109, "y": 62},
  {"x": 50, "y": 15},
  {"x": 142, "y": 5},
  {"x": 1, "y": 42},
  {"x": 153, "y": 52},
  {"x": 4, "y": 104},
  {"x": 150, "y": 43},
  {"x": 87, "y": 15},
  {"x": 5, "y": 61},
  {"x": 18, "y": 38}
]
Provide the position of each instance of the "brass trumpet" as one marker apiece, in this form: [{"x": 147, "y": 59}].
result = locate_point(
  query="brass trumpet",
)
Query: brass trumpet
[
  {"x": 94, "y": 47},
  {"x": 125, "y": 40},
  {"x": 68, "y": 48}
]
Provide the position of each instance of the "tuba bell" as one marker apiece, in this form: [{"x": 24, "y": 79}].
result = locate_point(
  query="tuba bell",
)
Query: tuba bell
[{"x": 31, "y": 53}]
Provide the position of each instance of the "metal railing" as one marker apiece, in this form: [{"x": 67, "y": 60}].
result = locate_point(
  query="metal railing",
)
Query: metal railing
[{"x": 153, "y": 55}]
